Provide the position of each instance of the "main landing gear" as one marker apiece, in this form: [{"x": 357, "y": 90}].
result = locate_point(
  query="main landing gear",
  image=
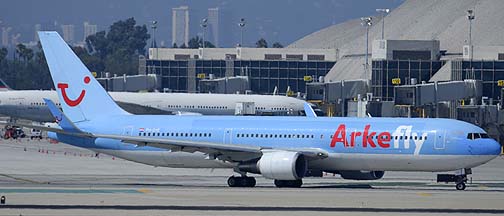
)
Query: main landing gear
[
  {"x": 460, "y": 178},
  {"x": 243, "y": 181}
]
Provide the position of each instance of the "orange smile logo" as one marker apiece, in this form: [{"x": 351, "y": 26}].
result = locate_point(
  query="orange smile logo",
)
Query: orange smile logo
[{"x": 68, "y": 101}]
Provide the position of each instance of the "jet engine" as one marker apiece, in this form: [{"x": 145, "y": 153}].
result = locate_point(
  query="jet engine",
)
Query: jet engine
[
  {"x": 362, "y": 175},
  {"x": 282, "y": 165}
]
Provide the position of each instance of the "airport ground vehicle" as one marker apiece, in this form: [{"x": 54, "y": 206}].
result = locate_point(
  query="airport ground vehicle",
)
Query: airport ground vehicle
[
  {"x": 35, "y": 134},
  {"x": 13, "y": 132}
]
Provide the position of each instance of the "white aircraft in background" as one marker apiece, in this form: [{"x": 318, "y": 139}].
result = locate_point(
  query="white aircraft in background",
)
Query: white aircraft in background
[{"x": 29, "y": 104}]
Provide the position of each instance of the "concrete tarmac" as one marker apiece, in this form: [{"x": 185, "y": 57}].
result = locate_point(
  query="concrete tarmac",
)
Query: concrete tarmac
[{"x": 39, "y": 178}]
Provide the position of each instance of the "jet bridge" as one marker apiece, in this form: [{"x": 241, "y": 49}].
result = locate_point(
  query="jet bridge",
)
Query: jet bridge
[{"x": 432, "y": 93}]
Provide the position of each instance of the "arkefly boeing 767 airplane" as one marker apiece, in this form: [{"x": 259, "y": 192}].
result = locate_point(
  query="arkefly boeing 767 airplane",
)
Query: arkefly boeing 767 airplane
[{"x": 284, "y": 149}]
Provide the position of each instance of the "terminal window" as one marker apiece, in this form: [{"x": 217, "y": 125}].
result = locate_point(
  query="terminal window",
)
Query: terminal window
[{"x": 411, "y": 55}]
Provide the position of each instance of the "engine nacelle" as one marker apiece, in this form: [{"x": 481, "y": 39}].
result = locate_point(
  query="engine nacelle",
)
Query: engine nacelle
[
  {"x": 282, "y": 165},
  {"x": 362, "y": 175}
]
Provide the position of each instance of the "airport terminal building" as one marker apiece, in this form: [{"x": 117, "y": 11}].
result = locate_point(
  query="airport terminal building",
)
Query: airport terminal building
[{"x": 267, "y": 69}]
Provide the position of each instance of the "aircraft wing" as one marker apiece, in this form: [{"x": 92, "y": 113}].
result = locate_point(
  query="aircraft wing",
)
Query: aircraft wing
[{"x": 227, "y": 152}]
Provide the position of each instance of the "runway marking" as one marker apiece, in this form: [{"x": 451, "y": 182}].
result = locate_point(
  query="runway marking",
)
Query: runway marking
[
  {"x": 424, "y": 194},
  {"x": 23, "y": 179},
  {"x": 254, "y": 208},
  {"x": 75, "y": 191},
  {"x": 143, "y": 190}
]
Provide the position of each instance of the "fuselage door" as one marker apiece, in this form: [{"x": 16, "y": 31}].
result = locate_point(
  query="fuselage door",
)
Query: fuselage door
[
  {"x": 128, "y": 130},
  {"x": 439, "y": 139},
  {"x": 228, "y": 136}
]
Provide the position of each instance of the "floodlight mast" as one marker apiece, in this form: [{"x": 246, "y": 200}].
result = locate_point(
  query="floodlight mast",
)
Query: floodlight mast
[
  {"x": 242, "y": 25},
  {"x": 383, "y": 12},
  {"x": 367, "y": 22},
  {"x": 203, "y": 24},
  {"x": 153, "y": 42},
  {"x": 470, "y": 16}
]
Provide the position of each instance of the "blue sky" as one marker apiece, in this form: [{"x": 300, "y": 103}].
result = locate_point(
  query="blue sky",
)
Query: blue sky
[{"x": 284, "y": 20}]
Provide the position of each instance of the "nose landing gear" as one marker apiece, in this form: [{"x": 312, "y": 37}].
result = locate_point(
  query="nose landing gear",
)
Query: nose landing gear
[{"x": 460, "y": 178}]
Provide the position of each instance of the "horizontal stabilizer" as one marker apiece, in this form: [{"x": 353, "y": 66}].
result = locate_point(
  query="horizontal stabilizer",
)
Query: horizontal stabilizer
[{"x": 61, "y": 118}]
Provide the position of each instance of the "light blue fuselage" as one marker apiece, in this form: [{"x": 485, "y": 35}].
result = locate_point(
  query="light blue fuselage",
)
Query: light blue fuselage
[{"x": 413, "y": 145}]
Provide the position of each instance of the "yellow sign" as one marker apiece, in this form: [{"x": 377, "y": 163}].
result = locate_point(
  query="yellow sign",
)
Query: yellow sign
[
  {"x": 201, "y": 76},
  {"x": 307, "y": 78},
  {"x": 94, "y": 74},
  {"x": 396, "y": 81},
  {"x": 500, "y": 82},
  {"x": 290, "y": 93}
]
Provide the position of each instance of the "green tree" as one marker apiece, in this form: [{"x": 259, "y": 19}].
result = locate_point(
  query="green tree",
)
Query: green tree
[
  {"x": 3, "y": 54},
  {"x": 24, "y": 53},
  {"x": 261, "y": 43},
  {"x": 20, "y": 51},
  {"x": 277, "y": 45},
  {"x": 197, "y": 42},
  {"x": 123, "y": 38},
  {"x": 97, "y": 44},
  {"x": 92, "y": 62},
  {"x": 194, "y": 43}
]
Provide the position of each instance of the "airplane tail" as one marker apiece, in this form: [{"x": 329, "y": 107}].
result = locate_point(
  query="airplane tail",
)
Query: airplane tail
[
  {"x": 82, "y": 97},
  {"x": 4, "y": 86}
]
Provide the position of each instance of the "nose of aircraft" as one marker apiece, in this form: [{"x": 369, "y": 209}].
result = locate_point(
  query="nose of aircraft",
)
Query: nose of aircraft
[
  {"x": 485, "y": 147},
  {"x": 492, "y": 147}
]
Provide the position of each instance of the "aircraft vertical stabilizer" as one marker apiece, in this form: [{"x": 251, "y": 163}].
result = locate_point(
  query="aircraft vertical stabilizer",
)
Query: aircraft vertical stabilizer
[
  {"x": 4, "y": 86},
  {"x": 82, "y": 97}
]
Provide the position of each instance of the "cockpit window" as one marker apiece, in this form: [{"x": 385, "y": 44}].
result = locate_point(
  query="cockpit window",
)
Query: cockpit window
[{"x": 473, "y": 136}]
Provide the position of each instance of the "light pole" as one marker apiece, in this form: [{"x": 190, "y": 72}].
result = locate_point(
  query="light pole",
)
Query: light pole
[
  {"x": 242, "y": 25},
  {"x": 366, "y": 22},
  {"x": 153, "y": 43},
  {"x": 204, "y": 24},
  {"x": 470, "y": 17},
  {"x": 384, "y": 12}
]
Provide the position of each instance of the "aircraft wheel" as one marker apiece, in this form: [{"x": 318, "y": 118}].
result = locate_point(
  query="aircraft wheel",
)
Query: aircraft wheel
[
  {"x": 241, "y": 181},
  {"x": 460, "y": 186},
  {"x": 288, "y": 183},
  {"x": 250, "y": 182},
  {"x": 232, "y": 182}
]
